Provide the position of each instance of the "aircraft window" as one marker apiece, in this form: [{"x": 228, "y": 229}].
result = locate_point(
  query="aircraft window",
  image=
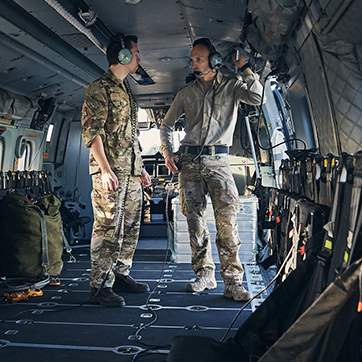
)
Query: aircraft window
[
  {"x": 2, "y": 152},
  {"x": 143, "y": 118},
  {"x": 150, "y": 141},
  {"x": 50, "y": 132},
  {"x": 23, "y": 163},
  {"x": 150, "y": 168},
  {"x": 162, "y": 170},
  {"x": 283, "y": 113}
]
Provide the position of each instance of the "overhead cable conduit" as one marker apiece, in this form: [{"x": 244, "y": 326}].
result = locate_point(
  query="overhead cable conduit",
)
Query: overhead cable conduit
[
  {"x": 73, "y": 21},
  {"x": 17, "y": 16}
]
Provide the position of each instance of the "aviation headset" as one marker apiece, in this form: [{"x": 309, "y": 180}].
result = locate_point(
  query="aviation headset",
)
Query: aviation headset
[
  {"x": 215, "y": 58},
  {"x": 124, "y": 55}
]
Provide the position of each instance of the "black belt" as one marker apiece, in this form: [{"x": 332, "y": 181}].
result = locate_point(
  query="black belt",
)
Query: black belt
[{"x": 206, "y": 150}]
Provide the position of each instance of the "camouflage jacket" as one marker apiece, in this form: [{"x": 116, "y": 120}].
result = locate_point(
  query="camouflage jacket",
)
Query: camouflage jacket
[{"x": 110, "y": 111}]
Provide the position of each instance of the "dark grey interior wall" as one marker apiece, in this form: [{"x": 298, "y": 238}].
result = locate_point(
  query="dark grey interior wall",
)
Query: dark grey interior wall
[
  {"x": 59, "y": 120},
  {"x": 299, "y": 108},
  {"x": 343, "y": 64},
  {"x": 331, "y": 62},
  {"x": 341, "y": 46},
  {"x": 68, "y": 163},
  {"x": 322, "y": 109},
  {"x": 76, "y": 182}
]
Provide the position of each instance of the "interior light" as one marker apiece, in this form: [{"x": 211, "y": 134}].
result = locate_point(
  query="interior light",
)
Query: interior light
[
  {"x": 50, "y": 132},
  {"x": 165, "y": 59},
  {"x": 133, "y": 2}
]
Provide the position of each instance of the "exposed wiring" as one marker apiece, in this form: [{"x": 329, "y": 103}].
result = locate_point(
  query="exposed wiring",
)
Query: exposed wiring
[
  {"x": 42, "y": 143},
  {"x": 257, "y": 295},
  {"x": 282, "y": 143},
  {"x": 261, "y": 115}
]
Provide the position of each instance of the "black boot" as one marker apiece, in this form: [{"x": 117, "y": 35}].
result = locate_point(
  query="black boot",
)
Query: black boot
[
  {"x": 125, "y": 283},
  {"x": 106, "y": 297}
]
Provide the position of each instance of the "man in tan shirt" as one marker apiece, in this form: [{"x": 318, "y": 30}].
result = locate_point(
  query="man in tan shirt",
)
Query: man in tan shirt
[{"x": 210, "y": 105}]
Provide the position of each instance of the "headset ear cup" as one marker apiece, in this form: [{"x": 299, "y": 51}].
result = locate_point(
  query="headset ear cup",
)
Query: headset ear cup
[
  {"x": 124, "y": 56},
  {"x": 215, "y": 60},
  {"x": 210, "y": 60}
]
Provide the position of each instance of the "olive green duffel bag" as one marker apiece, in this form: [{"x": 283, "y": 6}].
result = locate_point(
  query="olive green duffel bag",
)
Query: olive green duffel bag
[{"x": 31, "y": 238}]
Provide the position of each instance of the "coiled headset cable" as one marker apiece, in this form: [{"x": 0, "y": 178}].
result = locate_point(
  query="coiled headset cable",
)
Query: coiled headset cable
[{"x": 155, "y": 349}]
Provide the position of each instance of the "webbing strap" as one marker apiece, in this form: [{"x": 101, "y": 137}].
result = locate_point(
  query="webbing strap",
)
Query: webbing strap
[
  {"x": 356, "y": 206},
  {"x": 327, "y": 248},
  {"x": 355, "y": 237},
  {"x": 328, "y": 164},
  {"x": 294, "y": 236},
  {"x": 68, "y": 248},
  {"x": 310, "y": 179},
  {"x": 330, "y": 226},
  {"x": 44, "y": 238},
  {"x": 340, "y": 241},
  {"x": 44, "y": 242},
  {"x": 353, "y": 220},
  {"x": 291, "y": 264}
]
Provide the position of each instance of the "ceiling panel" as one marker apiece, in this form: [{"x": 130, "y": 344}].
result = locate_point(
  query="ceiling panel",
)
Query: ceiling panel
[{"x": 166, "y": 30}]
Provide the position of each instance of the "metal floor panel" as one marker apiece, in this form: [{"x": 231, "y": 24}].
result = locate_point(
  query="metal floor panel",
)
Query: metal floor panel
[{"x": 61, "y": 325}]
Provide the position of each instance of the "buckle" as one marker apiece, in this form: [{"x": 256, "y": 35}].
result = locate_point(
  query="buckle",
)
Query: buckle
[{"x": 212, "y": 150}]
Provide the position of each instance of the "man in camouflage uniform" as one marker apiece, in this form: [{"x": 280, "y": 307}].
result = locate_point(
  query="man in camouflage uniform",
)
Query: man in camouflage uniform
[
  {"x": 210, "y": 105},
  {"x": 109, "y": 128}
]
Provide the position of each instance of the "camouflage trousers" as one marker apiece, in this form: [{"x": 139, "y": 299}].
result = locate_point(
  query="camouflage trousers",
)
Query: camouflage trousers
[
  {"x": 117, "y": 219},
  {"x": 211, "y": 175}
]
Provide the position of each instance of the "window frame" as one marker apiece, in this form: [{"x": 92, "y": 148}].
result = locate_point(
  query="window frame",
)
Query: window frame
[
  {"x": 2, "y": 153},
  {"x": 24, "y": 162}
]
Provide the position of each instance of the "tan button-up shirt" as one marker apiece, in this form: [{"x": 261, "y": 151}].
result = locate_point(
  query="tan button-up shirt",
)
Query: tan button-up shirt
[
  {"x": 210, "y": 114},
  {"x": 108, "y": 112}
]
